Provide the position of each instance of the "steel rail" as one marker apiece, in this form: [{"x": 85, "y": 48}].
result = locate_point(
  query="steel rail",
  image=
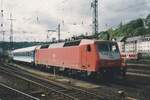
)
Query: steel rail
[
  {"x": 76, "y": 93},
  {"x": 20, "y": 92},
  {"x": 41, "y": 85}
]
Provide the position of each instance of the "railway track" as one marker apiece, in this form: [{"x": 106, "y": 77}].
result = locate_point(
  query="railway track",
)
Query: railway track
[
  {"x": 18, "y": 94},
  {"x": 139, "y": 74},
  {"x": 47, "y": 90},
  {"x": 138, "y": 66},
  {"x": 110, "y": 89},
  {"x": 132, "y": 87},
  {"x": 141, "y": 61},
  {"x": 112, "y": 92},
  {"x": 69, "y": 92},
  {"x": 138, "y": 69}
]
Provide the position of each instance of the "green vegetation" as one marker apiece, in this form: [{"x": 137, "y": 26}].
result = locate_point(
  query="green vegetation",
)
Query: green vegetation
[{"x": 133, "y": 28}]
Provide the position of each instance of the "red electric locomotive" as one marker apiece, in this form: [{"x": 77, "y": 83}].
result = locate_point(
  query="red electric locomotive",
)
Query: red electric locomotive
[{"x": 84, "y": 56}]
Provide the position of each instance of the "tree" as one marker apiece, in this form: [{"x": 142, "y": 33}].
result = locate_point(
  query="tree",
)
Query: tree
[
  {"x": 133, "y": 28},
  {"x": 104, "y": 35},
  {"x": 147, "y": 21}
]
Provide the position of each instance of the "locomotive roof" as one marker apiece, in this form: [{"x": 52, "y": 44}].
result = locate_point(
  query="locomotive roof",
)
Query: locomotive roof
[
  {"x": 132, "y": 39},
  {"x": 71, "y": 43},
  {"x": 59, "y": 45}
]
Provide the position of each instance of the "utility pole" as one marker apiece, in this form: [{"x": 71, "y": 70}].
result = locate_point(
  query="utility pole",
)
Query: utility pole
[
  {"x": 47, "y": 37},
  {"x": 58, "y": 32},
  {"x": 11, "y": 31},
  {"x": 2, "y": 25},
  {"x": 2, "y": 20},
  {"x": 94, "y": 5},
  {"x": 3, "y": 33}
]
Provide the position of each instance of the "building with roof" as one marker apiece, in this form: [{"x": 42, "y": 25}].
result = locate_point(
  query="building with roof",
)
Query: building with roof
[
  {"x": 140, "y": 44},
  {"x": 121, "y": 43},
  {"x": 143, "y": 44},
  {"x": 131, "y": 44}
]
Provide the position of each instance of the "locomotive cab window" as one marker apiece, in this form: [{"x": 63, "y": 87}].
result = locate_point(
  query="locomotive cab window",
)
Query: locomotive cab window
[
  {"x": 107, "y": 47},
  {"x": 108, "y": 50},
  {"x": 88, "y": 48}
]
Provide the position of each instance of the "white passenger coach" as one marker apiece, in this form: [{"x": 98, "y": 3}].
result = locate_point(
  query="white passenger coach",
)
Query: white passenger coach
[{"x": 24, "y": 54}]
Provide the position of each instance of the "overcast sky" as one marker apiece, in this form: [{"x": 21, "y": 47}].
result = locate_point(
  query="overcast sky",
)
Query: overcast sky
[{"x": 34, "y": 17}]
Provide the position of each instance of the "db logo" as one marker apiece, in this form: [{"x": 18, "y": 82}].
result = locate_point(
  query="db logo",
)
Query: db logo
[{"x": 53, "y": 55}]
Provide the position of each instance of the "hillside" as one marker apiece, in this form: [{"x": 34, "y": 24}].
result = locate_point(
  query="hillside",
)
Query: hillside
[{"x": 133, "y": 28}]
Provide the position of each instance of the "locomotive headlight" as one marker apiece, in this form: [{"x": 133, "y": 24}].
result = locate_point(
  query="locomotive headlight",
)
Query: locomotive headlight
[
  {"x": 104, "y": 71},
  {"x": 121, "y": 68}
]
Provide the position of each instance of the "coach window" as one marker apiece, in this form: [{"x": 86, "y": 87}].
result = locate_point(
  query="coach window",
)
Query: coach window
[{"x": 88, "y": 48}]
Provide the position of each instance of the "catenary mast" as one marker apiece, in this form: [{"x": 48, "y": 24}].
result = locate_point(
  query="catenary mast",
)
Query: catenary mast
[
  {"x": 2, "y": 22},
  {"x": 94, "y": 5}
]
